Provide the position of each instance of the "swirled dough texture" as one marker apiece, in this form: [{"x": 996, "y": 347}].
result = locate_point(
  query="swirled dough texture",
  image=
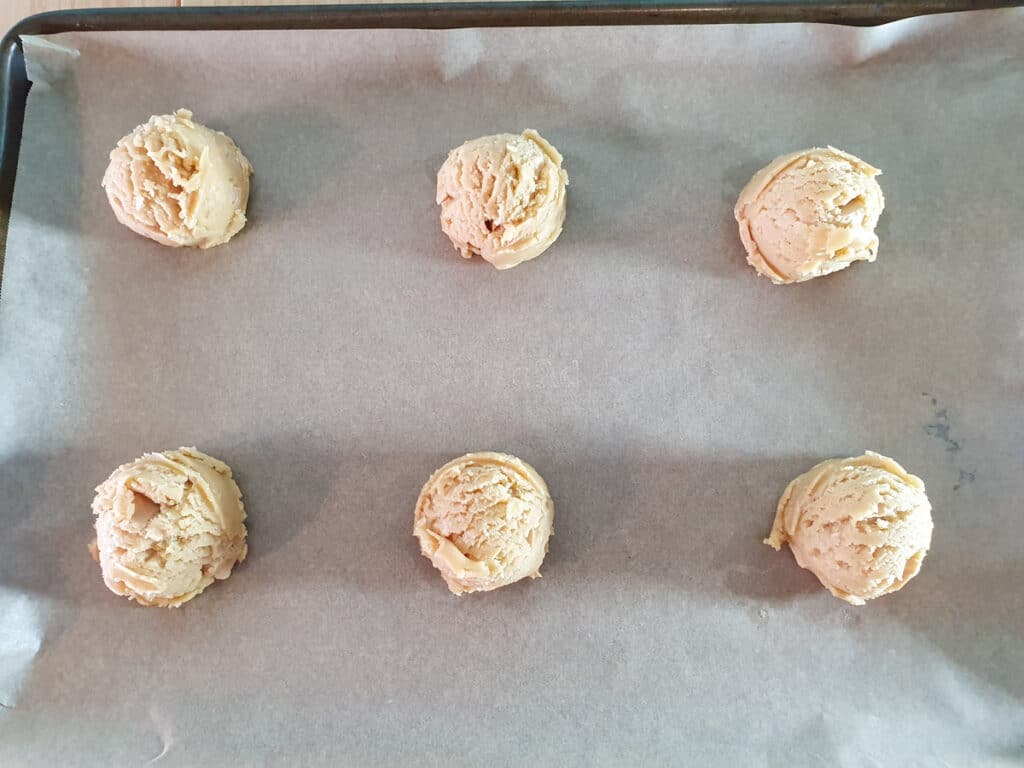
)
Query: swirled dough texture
[
  {"x": 810, "y": 213},
  {"x": 861, "y": 525},
  {"x": 484, "y": 521},
  {"x": 167, "y": 525},
  {"x": 178, "y": 182},
  {"x": 503, "y": 197}
]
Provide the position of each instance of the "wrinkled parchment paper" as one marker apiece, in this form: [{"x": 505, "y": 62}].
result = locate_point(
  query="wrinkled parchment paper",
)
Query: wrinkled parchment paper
[{"x": 338, "y": 350}]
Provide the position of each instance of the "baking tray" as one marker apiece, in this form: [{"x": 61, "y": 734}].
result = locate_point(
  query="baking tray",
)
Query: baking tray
[
  {"x": 665, "y": 393},
  {"x": 419, "y": 16}
]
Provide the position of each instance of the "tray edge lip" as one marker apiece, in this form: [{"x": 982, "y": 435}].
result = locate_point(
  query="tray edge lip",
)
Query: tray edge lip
[{"x": 437, "y": 14}]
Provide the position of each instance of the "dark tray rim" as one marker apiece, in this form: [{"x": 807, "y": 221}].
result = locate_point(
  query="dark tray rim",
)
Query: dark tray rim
[
  {"x": 506, "y": 13},
  {"x": 14, "y": 84}
]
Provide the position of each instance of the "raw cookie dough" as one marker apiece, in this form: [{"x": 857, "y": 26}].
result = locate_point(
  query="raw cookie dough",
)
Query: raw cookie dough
[
  {"x": 167, "y": 525},
  {"x": 178, "y": 182},
  {"x": 810, "y": 213},
  {"x": 484, "y": 521},
  {"x": 503, "y": 197},
  {"x": 861, "y": 525}
]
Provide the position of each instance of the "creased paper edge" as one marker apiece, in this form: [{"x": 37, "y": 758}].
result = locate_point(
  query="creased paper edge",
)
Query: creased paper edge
[{"x": 46, "y": 62}]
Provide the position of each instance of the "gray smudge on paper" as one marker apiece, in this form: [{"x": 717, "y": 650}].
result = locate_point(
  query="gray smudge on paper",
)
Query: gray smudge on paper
[
  {"x": 965, "y": 477},
  {"x": 941, "y": 428}
]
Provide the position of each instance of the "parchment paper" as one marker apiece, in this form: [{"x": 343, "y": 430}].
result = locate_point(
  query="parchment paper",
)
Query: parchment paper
[{"x": 338, "y": 350}]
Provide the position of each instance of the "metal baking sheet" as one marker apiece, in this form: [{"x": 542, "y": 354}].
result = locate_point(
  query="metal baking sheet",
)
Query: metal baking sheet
[{"x": 338, "y": 350}]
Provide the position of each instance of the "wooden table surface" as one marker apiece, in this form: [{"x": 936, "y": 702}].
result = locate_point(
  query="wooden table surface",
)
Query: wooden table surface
[{"x": 12, "y": 11}]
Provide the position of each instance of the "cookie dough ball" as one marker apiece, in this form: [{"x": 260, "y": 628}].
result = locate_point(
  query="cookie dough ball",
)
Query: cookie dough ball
[
  {"x": 809, "y": 214},
  {"x": 167, "y": 525},
  {"x": 861, "y": 525},
  {"x": 178, "y": 182},
  {"x": 484, "y": 521},
  {"x": 503, "y": 197}
]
